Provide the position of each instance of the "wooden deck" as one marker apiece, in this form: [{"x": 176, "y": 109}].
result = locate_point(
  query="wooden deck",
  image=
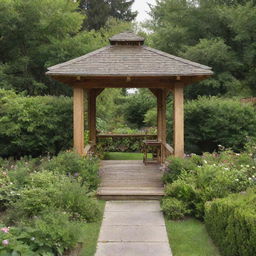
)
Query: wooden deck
[{"x": 130, "y": 179}]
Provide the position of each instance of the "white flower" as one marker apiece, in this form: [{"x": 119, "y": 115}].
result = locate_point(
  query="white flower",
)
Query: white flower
[
  {"x": 249, "y": 178},
  {"x": 236, "y": 179},
  {"x": 205, "y": 161},
  {"x": 247, "y": 165}
]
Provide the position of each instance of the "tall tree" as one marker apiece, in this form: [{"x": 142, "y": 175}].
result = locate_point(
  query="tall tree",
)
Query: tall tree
[
  {"x": 121, "y": 9},
  {"x": 36, "y": 34},
  {"x": 99, "y": 11},
  {"x": 210, "y": 32}
]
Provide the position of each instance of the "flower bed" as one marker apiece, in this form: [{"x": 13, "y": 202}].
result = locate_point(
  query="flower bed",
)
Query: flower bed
[{"x": 45, "y": 203}]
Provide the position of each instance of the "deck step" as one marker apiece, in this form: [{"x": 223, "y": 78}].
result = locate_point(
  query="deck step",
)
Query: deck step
[{"x": 130, "y": 180}]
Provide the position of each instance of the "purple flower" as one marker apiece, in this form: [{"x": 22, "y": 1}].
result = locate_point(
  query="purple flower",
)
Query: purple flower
[
  {"x": 76, "y": 174},
  {"x": 5, "y": 242},
  {"x": 5, "y": 230}
]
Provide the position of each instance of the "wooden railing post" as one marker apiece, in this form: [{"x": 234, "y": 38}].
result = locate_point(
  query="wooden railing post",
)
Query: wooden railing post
[
  {"x": 178, "y": 120},
  {"x": 91, "y": 97},
  {"x": 78, "y": 119}
]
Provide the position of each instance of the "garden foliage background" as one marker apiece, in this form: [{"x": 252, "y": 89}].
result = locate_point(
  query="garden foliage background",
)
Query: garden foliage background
[
  {"x": 38, "y": 34},
  {"x": 36, "y": 119}
]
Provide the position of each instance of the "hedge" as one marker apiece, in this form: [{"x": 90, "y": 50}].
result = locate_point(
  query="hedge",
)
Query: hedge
[
  {"x": 34, "y": 125},
  {"x": 213, "y": 121},
  {"x": 231, "y": 222}
]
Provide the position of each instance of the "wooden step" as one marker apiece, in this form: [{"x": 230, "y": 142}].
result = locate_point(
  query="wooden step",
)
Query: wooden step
[
  {"x": 121, "y": 193},
  {"x": 130, "y": 179}
]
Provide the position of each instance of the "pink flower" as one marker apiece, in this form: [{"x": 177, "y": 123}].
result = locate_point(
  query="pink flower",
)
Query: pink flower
[
  {"x": 5, "y": 242},
  {"x": 5, "y": 230}
]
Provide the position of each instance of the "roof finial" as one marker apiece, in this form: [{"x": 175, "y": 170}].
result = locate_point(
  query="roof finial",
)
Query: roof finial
[{"x": 126, "y": 38}]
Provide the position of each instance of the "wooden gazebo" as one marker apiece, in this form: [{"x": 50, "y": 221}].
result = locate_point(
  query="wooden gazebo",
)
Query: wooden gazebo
[{"x": 127, "y": 63}]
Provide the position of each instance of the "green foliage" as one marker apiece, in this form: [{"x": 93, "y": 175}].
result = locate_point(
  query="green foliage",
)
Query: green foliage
[
  {"x": 46, "y": 203},
  {"x": 216, "y": 33},
  {"x": 210, "y": 122},
  {"x": 72, "y": 164},
  {"x": 174, "y": 209},
  {"x": 216, "y": 177},
  {"x": 51, "y": 233},
  {"x": 74, "y": 199},
  {"x": 34, "y": 125},
  {"x": 10, "y": 245},
  {"x": 98, "y": 12},
  {"x": 136, "y": 106},
  {"x": 30, "y": 30},
  {"x": 231, "y": 222},
  {"x": 176, "y": 166}
]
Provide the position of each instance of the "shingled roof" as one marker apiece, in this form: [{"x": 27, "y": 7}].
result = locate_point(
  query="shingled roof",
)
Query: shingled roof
[{"x": 127, "y": 56}]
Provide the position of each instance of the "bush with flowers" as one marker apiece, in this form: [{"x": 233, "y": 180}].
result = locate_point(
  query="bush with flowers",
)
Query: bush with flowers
[
  {"x": 219, "y": 188},
  {"x": 216, "y": 175},
  {"x": 45, "y": 203},
  {"x": 10, "y": 245}
]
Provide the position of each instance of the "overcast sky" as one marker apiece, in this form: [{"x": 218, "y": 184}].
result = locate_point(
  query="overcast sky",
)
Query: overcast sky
[{"x": 142, "y": 7}]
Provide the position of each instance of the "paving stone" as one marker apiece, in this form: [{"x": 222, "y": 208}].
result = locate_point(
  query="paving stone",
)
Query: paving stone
[
  {"x": 133, "y": 249},
  {"x": 133, "y": 234},
  {"x": 133, "y": 218},
  {"x": 133, "y": 228},
  {"x": 134, "y": 205}
]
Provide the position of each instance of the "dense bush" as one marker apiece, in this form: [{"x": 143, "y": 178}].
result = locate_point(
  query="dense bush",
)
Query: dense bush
[
  {"x": 46, "y": 201},
  {"x": 10, "y": 245},
  {"x": 71, "y": 164},
  {"x": 231, "y": 222},
  {"x": 213, "y": 121},
  {"x": 176, "y": 165},
  {"x": 174, "y": 209},
  {"x": 216, "y": 177},
  {"x": 52, "y": 233},
  {"x": 34, "y": 125}
]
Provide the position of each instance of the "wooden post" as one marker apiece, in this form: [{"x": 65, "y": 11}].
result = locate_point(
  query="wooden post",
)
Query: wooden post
[
  {"x": 159, "y": 115},
  {"x": 92, "y": 95},
  {"x": 178, "y": 122},
  {"x": 78, "y": 119}
]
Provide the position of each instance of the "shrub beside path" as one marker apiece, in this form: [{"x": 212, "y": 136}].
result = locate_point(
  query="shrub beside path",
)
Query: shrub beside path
[{"x": 132, "y": 228}]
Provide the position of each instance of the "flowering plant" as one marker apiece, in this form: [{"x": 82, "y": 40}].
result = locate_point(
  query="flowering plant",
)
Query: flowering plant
[{"x": 10, "y": 245}]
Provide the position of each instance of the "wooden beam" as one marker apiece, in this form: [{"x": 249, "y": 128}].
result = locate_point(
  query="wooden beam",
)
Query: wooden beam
[
  {"x": 91, "y": 98},
  {"x": 178, "y": 127},
  {"x": 154, "y": 91},
  {"x": 132, "y": 82},
  {"x": 99, "y": 91},
  {"x": 78, "y": 119}
]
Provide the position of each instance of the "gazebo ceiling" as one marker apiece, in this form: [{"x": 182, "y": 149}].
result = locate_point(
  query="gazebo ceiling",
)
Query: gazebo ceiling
[{"x": 125, "y": 58}]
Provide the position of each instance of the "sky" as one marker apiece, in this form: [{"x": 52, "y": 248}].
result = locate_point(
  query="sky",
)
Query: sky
[{"x": 142, "y": 7}]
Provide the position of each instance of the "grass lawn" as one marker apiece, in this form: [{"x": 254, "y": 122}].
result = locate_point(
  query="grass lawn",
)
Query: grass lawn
[
  {"x": 124, "y": 156},
  {"x": 190, "y": 238},
  {"x": 90, "y": 235}
]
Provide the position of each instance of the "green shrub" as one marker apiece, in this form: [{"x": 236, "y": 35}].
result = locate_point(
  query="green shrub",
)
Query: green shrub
[
  {"x": 216, "y": 177},
  {"x": 213, "y": 121},
  {"x": 47, "y": 189},
  {"x": 72, "y": 164},
  {"x": 174, "y": 209},
  {"x": 51, "y": 233},
  {"x": 176, "y": 166},
  {"x": 34, "y": 125},
  {"x": 10, "y": 245},
  {"x": 74, "y": 199},
  {"x": 231, "y": 222}
]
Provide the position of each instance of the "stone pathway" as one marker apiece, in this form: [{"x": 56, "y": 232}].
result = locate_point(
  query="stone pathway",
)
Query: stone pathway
[{"x": 133, "y": 228}]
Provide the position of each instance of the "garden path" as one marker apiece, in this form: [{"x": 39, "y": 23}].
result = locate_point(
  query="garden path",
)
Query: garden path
[{"x": 133, "y": 228}]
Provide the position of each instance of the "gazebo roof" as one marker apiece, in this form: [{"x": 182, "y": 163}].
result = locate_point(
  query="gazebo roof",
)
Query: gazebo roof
[{"x": 127, "y": 56}]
